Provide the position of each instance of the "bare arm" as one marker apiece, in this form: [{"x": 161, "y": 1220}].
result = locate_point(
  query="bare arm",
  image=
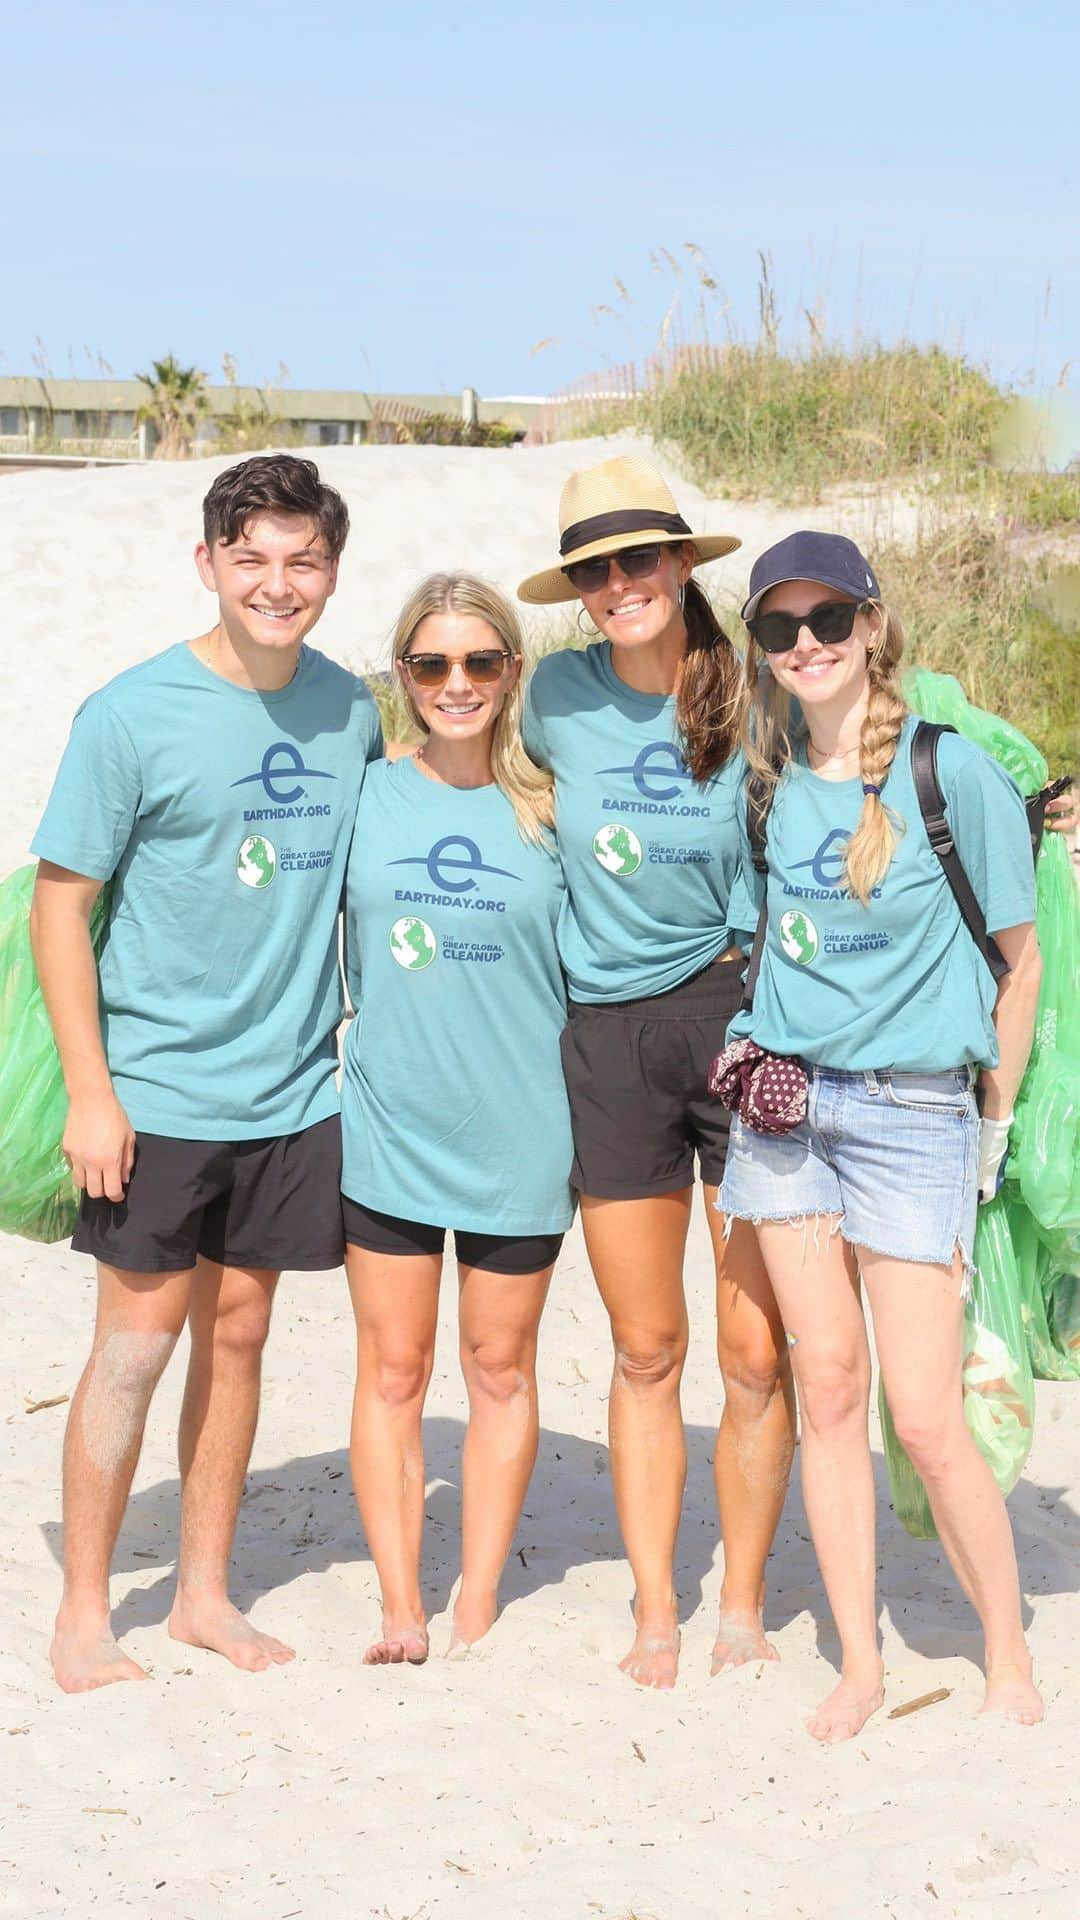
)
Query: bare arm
[
  {"x": 1014, "y": 1019},
  {"x": 98, "y": 1139}
]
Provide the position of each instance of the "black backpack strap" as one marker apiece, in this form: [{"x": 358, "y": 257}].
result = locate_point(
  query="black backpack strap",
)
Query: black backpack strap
[
  {"x": 1035, "y": 807},
  {"x": 924, "y": 772},
  {"x": 758, "y": 802}
]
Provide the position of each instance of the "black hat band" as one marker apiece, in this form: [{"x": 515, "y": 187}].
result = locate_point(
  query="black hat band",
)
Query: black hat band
[{"x": 627, "y": 520}]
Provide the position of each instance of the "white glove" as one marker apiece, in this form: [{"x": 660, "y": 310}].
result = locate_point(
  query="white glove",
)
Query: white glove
[{"x": 993, "y": 1146}]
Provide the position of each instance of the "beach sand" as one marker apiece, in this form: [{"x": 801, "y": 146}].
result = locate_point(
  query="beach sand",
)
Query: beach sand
[{"x": 530, "y": 1779}]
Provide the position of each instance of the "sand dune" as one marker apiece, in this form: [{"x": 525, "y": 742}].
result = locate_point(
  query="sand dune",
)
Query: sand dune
[{"x": 96, "y": 568}]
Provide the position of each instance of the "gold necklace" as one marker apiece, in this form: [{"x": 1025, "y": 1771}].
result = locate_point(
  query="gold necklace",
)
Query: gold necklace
[{"x": 823, "y": 757}]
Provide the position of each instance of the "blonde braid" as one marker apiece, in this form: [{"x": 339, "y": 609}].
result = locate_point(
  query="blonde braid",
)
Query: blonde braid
[{"x": 873, "y": 842}]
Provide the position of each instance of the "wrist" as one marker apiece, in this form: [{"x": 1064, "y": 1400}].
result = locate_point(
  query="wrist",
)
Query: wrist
[{"x": 87, "y": 1085}]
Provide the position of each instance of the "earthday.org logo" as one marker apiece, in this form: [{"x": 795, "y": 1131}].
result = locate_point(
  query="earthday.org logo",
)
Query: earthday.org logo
[
  {"x": 452, "y": 865},
  {"x": 798, "y": 937},
  {"x": 412, "y": 943},
  {"x": 827, "y": 870},
  {"x": 256, "y": 862},
  {"x": 660, "y": 776},
  {"x": 618, "y": 850},
  {"x": 280, "y": 775}
]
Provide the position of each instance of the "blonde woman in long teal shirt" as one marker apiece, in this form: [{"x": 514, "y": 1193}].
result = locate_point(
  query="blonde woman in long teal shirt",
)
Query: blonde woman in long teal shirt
[{"x": 454, "y": 1112}]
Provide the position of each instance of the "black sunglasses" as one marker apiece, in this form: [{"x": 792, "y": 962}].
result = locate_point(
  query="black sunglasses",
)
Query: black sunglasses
[
  {"x": 433, "y": 669},
  {"x": 830, "y": 623},
  {"x": 589, "y": 575}
]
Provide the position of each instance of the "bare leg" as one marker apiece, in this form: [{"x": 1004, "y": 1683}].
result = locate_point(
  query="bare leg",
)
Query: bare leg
[
  {"x": 396, "y": 1300},
  {"x": 139, "y": 1316},
  {"x": 500, "y": 1319},
  {"x": 815, "y": 1282},
  {"x": 229, "y": 1319},
  {"x": 756, "y": 1440},
  {"x": 636, "y": 1249},
  {"x": 918, "y": 1323}
]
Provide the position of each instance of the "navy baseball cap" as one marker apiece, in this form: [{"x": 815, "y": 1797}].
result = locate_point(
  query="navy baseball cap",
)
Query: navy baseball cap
[{"x": 828, "y": 557}]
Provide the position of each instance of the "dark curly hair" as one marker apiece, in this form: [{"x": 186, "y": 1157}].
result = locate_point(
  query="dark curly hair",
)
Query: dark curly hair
[{"x": 273, "y": 483}]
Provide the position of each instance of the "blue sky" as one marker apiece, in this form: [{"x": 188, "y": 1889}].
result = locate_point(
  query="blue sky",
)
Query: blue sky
[{"x": 412, "y": 197}]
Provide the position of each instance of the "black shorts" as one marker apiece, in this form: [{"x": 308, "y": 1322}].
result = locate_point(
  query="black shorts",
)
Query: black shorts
[
  {"x": 269, "y": 1204},
  {"x": 492, "y": 1252},
  {"x": 636, "y": 1073}
]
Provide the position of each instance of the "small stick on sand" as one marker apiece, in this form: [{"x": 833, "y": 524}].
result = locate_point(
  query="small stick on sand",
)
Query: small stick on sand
[
  {"x": 924, "y": 1700},
  {"x": 39, "y": 1406}
]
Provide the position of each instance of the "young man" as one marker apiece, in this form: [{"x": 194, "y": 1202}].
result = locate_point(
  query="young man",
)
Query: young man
[{"x": 215, "y": 785}]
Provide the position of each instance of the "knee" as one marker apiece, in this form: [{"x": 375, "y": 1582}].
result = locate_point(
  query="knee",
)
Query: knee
[
  {"x": 833, "y": 1393},
  {"x": 753, "y": 1373},
  {"x": 399, "y": 1373},
  {"x": 128, "y": 1363},
  {"x": 240, "y": 1331},
  {"x": 928, "y": 1438},
  {"x": 649, "y": 1360},
  {"x": 496, "y": 1370}
]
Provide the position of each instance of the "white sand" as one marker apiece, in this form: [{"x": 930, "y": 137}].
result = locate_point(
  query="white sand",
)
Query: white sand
[
  {"x": 530, "y": 1780},
  {"x": 96, "y": 569}
]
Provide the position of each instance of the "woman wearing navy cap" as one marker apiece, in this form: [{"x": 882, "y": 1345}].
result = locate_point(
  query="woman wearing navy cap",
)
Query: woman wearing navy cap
[{"x": 882, "y": 1013}]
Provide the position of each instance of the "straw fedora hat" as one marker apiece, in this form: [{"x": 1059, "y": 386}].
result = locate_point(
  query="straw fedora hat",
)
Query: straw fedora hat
[{"x": 621, "y": 503}]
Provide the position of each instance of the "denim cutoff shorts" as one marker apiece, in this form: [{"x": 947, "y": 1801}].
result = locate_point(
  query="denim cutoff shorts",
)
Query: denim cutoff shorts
[{"x": 895, "y": 1154}]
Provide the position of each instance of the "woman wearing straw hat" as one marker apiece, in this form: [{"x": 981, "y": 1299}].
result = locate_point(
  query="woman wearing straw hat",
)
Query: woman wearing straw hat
[{"x": 640, "y": 730}]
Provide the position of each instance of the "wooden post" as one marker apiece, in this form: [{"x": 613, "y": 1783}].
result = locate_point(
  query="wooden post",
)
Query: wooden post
[{"x": 470, "y": 407}]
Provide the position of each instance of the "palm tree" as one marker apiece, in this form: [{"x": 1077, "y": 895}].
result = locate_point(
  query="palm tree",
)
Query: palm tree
[{"x": 178, "y": 401}]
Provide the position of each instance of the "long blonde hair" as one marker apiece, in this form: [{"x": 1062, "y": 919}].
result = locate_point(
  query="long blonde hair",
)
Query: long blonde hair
[
  {"x": 529, "y": 789},
  {"x": 768, "y": 746}
]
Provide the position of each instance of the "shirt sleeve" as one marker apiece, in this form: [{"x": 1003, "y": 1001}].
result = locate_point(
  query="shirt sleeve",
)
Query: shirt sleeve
[
  {"x": 748, "y": 887},
  {"x": 986, "y": 813},
  {"x": 376, "y": 744},
  {"x": 96, "y": 796},
  {"x": 532, "y": 727}
]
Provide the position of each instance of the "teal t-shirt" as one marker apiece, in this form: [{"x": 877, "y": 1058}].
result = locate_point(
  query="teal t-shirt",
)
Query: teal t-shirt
[
  {"x": 453, "y": 1106},
  {"x": 223, "y": 818},
  {"x": 899, "y": 983},
  {"x": 649, "y": 855}
]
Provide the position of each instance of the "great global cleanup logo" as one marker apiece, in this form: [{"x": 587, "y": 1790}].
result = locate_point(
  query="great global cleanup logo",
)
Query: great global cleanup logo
[
  {"x": 412, "y": 943},
  {"x": 452, "y": 864},
  {"x": 283, "y": 762},
  {"x": 256, "y": 862},
  {"x": 798, "y": 937},
  {"x": 618, "y": 850},
  {"x": 658, "y": 771}
]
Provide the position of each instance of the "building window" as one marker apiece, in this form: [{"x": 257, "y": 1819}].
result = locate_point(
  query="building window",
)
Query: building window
[{"x": 12, "y": 420}]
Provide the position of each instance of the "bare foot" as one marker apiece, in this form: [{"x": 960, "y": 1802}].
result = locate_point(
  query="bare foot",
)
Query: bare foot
[
  {"x": 219, "y": 1627},
  {"x": 85, "y": 1656},
  {"x": 472, "y": 1619},
  {"x": 403, "y": 1640},
  {"x": 740, "y": 1638},
  {"x": 1012, "y": 1691},
  {"x": 653, "y": 1660},
  {"x": 847, "y": 1708}
]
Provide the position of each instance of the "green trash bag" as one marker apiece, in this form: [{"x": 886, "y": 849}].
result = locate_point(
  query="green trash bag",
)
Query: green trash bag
[
  {"x": 38, "y": 1198},
  {"x": 1049, "y": 1295},
  {"x": 939, "y": 696},
  {"x": 999, "y": 1390},
  {"x": 1042, "y": 1171}
]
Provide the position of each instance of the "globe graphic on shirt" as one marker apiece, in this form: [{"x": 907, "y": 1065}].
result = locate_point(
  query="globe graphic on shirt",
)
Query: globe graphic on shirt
[
  {"x": 412, "y": 943},
  {"x": 798, "y": 937},
  {"x": 618, "y": 850},
  {"x": 256, "y": 862}
]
